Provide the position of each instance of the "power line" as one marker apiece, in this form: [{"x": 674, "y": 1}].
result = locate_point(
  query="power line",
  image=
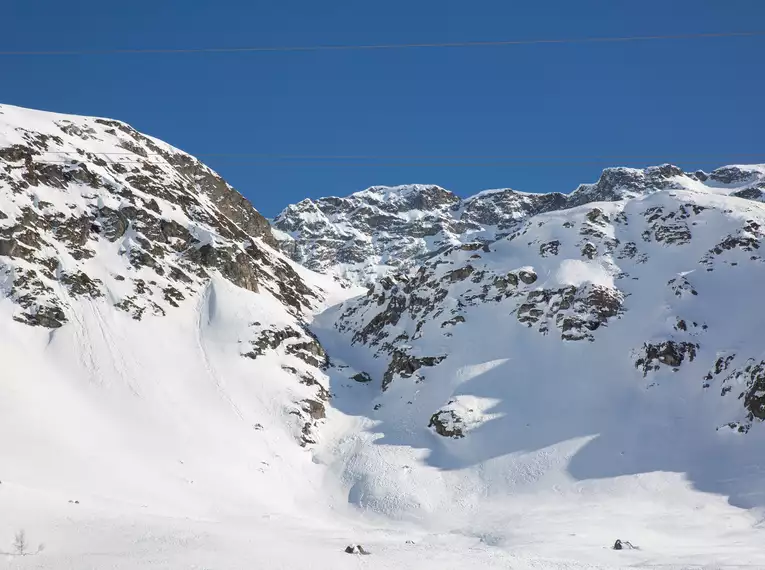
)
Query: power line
[
  {"x": 350, "y": 157},
  {"x": 547, "y": 162},
  {"x": 262, "y": 49}
]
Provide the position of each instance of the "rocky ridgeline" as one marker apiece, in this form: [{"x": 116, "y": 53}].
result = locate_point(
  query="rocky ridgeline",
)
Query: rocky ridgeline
[
  {"x": 573, "y": 273},
  {"x": 371, "y": 232},
  {"x": 92, "y": 210}
]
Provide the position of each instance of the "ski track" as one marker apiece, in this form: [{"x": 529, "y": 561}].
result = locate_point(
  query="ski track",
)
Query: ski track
[{"x": 206, "y": 308}]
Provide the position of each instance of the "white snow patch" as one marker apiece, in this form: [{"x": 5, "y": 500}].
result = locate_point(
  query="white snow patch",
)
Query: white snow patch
[{"x": 578, "y": 272}]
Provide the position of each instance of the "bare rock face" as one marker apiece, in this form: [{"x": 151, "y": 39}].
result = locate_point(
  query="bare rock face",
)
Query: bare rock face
[{"x": 754, "y": 397}]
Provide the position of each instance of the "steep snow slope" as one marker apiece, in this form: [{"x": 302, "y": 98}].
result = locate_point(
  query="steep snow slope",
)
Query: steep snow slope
[
  {"x": 164, "y": 402},
  {"x": 156, "y": 360},
  {"x": 599, "y": 370},
  {"x": 367, "y": 234}
]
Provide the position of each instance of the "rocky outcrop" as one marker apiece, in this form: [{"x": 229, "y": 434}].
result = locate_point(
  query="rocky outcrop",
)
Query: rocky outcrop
[
  {"x": 617, "y": 183},
  {"x": 270, "y": 339},
  {"x": 405, "y": 365},
  {"x": 362, "y": 377},
  {"x": 669, "y": 353},
  {"x": 576, "y": 311},
  {"x": 746, "y": 381},
  {"x": 447, "y": 423},
  {"x": 385, "y": 229},
  {"x": 298, "y": 342},
  {"x": 746, "y": 240}
]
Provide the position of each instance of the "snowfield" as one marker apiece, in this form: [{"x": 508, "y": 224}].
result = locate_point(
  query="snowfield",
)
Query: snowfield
[
  {"x": 155, "y": 440},
  {"x": 177, "y": 393}
]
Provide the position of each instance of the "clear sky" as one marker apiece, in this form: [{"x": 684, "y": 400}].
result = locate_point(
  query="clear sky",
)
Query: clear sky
[{"x": 697, "y": 103}]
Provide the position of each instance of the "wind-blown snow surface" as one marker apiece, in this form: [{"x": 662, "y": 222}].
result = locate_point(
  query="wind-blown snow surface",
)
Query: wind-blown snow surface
[{"x": 163, "y": 406}]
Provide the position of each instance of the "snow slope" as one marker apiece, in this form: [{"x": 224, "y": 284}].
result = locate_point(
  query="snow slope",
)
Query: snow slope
[
  {"x": 599, "y": 370},
  {"x": 176, "y": 393}
]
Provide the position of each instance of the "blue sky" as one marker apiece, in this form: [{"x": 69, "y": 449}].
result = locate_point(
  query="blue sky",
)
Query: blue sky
[{"x": 696, "y": 103}]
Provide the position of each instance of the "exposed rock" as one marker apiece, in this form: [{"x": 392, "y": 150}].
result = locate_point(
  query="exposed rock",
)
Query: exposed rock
[
  {"x": 528, "y": 277},
  {"x": 754, "y": 396},
  {"x": 549, "y": 248},
  {"x": 49, "y": 317},
  {"x": 681, "y": 287},
  {"x": 356, "y": 549},
  {"x": 731, "y": 175},
  {"x": 405, "y": 365},
  {"x": 153, "y": 211},
  {"x": 361, "y": 377},
  {"x": 670, "y": 353},
  {"x": 310, "y": 352},
  {"x": 447, "y": 423},
  {"x": 460, "y": 274},
  {"x": 748, "y": 381},
  {"x": 589, "y": 250},
  {"x": 314, "y": 409},
  {"x": 453, "y": 321},
  {"x": 389, "y": 317},
  {"x": 80, "y": 284},
  {"x": 270, "y": 339},
  {"x": 577, "y": 311}
]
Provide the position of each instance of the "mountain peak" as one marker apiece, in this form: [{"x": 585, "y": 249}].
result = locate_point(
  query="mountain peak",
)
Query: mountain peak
[
  {"x": 400, "y": 190},
  {"x": 407, "y": 197}
]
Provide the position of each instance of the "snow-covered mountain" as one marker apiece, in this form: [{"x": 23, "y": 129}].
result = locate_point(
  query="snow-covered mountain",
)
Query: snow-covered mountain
[
  {"x": 101, "y": 222},
  {"x": 363, "y": 236},
  {"x": 156, "y": 355},
  {"x": 525, "y": 379}
]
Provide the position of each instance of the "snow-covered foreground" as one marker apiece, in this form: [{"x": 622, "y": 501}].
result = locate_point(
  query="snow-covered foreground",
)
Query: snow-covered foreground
[
  {"x": 96, "y": 541},
  {"x": 155, "y": 442}
]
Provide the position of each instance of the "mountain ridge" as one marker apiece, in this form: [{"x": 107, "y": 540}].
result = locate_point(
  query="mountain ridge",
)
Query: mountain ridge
[{"x": 366, "y": 234}]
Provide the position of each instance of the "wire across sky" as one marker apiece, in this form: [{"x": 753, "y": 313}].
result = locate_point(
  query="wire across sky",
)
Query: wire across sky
[
  {"x": 393, "y": 46},
  {"x": 392, "y": 161}
]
